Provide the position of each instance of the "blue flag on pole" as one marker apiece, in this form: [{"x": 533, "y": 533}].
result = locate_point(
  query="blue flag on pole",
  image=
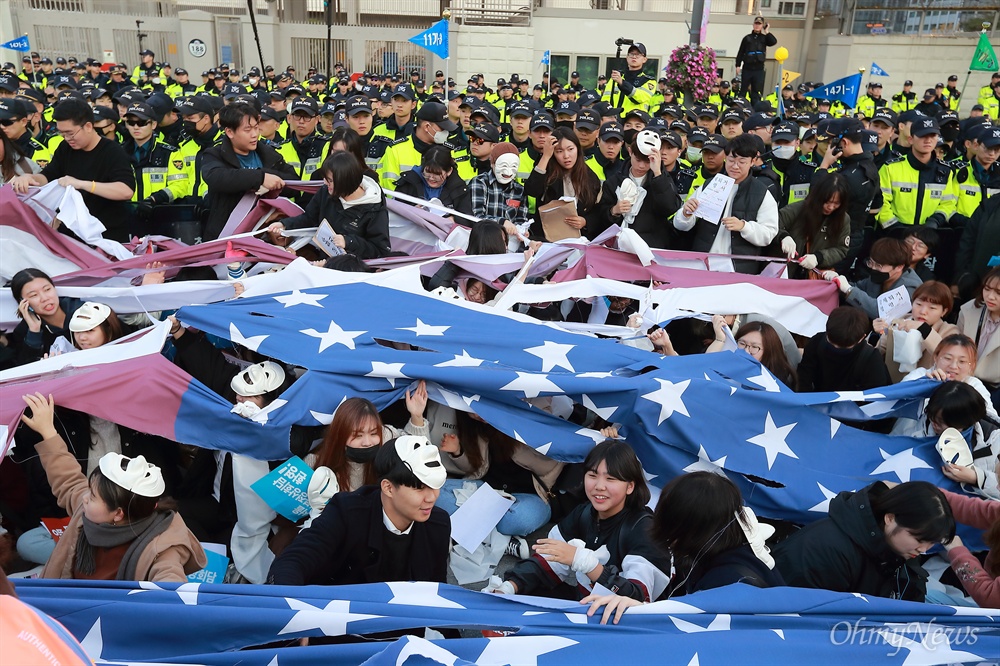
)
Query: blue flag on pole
[
  {"x": 845, "y": 90},
  {"x": 546, "y": 57},
  {"x": 878, "y": 71},
  {"x": 434, "y": 39},
  {"x": 19, "y": 44}
]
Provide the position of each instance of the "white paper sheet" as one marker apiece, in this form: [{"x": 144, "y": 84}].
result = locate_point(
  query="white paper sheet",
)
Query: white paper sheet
[
  {"x": 473, "y": 521},
  {"x": 894, "y": 304},
  {"x": 713, "y": 198}
]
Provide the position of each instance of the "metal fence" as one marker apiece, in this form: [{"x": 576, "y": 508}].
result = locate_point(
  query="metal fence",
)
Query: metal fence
[
  {"x": 53, "y": 41},
  {"x": 392, "y": 56},
  {"x": 311, "y": 52},
  {"x": 491, "y": 12}
]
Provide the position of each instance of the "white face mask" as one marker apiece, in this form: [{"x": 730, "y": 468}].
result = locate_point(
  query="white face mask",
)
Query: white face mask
[
  {"x": 246, "y": 409},
  {"x": 784, "y": 152},
  {"x": 440, "y": 137},
  {"x": 505, "y": 167},
  {"x": 254, "y": 81},
  {"x": 694, "y": 154}
]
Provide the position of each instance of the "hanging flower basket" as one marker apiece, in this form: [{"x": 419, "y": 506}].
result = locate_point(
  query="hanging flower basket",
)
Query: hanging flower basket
[{"x": 692, "y": 70}]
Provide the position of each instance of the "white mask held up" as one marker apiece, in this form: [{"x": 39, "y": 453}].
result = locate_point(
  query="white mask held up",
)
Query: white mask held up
[{"x": 505, "y": 167}]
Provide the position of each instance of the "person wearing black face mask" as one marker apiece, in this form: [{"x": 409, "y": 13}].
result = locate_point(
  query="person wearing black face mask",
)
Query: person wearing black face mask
[
  {"x": 839, "y": 359},
  {"x": 200, "y": 133},
  {"x": 888, "y": 266}
]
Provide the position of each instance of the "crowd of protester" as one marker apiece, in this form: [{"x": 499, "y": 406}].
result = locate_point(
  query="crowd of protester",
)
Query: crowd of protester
[{"x": 891, "y": 193}]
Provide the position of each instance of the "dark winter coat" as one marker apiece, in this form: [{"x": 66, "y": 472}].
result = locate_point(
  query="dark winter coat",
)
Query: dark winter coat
[
  {"x": 345, "y": 545},
  {"x": 848, "y": 552}
]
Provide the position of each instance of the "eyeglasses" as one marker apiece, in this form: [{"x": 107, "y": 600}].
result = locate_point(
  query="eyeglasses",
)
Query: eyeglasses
[
  {"x": 634, "y": 55},
  {"x": 137, "y": 123},
  {"x": 69, "y": 136},
  {"x": 962, "y": 362},
  {"x": 749, "y": 348},
  {"x": 478, "y": 141},
  {"x": 738, "y": 161},
  {"x": 7, "y": 122},
  {"x": 50, "y": 96}
]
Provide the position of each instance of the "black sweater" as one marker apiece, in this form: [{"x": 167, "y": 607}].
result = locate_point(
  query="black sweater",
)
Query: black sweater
[{"x": 825, "y": 368}]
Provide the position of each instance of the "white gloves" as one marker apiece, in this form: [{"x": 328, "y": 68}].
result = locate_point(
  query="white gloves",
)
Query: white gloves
[
  {"x": 586, "y": 560},
  {"x": 808, "y": 261},
  {"x": 788, "y": 247},
  {"x": 838, "y": 280},
  {"x": 497, "y": 586}
]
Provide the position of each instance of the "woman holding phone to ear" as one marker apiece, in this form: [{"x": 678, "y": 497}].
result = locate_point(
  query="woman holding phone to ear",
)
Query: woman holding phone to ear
[{"x": 44, "y": 315}]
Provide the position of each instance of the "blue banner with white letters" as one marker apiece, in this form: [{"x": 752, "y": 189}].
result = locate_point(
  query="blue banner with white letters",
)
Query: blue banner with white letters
[
  {"x": 846, "y": 90},
  {"x": 434, "y": 39}
]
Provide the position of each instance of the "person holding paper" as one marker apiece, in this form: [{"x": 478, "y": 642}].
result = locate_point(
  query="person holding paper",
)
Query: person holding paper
[
  {"x": 888, "y": 265},
  {"x": 749, "y": 220},
  {"x": 352, "y": 204},
  {"x": 603, "y": 542},
  {"x": 120, "y": 528},
  {"x": 562, "y": 173},
  {"x": 389, "y": 531},
  {"x": 643, "y": 172},
  {"x": 931, "y": 302}
]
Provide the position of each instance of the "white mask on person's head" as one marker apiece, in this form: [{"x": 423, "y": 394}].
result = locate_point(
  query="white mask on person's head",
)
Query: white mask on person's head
[{"x": 505, "y": 167}]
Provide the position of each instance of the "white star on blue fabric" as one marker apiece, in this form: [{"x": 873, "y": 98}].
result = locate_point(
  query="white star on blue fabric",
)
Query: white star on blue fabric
[
  {"x": 553, "y": 355},
  {"x": 462, "y": 360},
  {"x": 900, "y": 464},
  {"x": 252, "y": 343},
  {"x": 264, "y": 415},
  {"x": 332, "y": 619},
  {"x": 824, "y": 506},
  {"x": 604, "y": 412},
  {"x": 93, "y": 642},
  {"x": 420, "y": 593},
  {"x": 521, "y": 650},
  {"x": 766, "y": 381},
  {"x": 706, "y": 464},
  {"x": 772, "y": 440},
  {"x": 186, "y": 592},
  {"x": 300, "y": 298},
  {"x": 426, "y": 329},
  {"x": 719, "y": 623},
  {"x": 531, "y": 384},
  {"x": 335, "y": 335},
  {"x": 668, "y": 397},
  {"x": 389, "y": 371}
]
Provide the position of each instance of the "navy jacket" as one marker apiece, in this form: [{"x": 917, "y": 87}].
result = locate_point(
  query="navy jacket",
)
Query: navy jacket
[{"x": 343, "y": 546}]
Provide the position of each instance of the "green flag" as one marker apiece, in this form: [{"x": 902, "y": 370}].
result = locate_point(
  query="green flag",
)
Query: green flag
[{"x": 985, "y": 58}]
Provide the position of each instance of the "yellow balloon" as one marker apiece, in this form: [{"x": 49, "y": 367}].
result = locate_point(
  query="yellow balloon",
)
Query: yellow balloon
[{"x": 781, "y": 54}]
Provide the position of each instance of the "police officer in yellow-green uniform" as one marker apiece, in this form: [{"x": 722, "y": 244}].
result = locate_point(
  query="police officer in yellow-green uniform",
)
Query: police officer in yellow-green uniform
[
  {"x": 303, "y": 151},
  {"x": 872, "y": 102},
  {"x": 475, "y": 159},
  {"x": 631, "y": 89},
  {"x": 151, "y": 159},
  {"x": 917, "y": 188},
  {"x": 951, "y": 95},
  {"x": 794, "y": 174},
  {"x": 987, "y": 91},
  {"x": 606, "y": 160},
  {"x": 15, "y": 114},
  {"x": 146, "y": 71},
  {"x": 203, "y": 133},
  {"x": 432, "y": 126},
  {"x": 906, "y": 99},
  {"x": 978, "y": 178},
  {"x": 181, "y": 85}
]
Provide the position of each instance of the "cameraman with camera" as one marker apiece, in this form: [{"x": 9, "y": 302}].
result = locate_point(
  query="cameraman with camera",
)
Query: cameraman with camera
[
  {"x": 633, "y": 89},
  {"x": 751, "y": 57}
]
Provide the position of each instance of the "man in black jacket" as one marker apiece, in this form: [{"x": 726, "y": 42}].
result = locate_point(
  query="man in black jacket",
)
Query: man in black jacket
[
  {"x": 751, "y": 57},
  {"x": 238, "y": 165},
  {"x": 383, "y": 533}
]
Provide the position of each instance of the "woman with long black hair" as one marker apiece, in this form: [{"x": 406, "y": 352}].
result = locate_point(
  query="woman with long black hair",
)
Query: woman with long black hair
[
  {"x": 815, "y": 232},
  {"x": 562, "y": 172}
]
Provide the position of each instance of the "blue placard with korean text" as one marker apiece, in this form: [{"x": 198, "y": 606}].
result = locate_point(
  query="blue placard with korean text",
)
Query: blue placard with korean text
[{"x": 285, "y": 489}]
